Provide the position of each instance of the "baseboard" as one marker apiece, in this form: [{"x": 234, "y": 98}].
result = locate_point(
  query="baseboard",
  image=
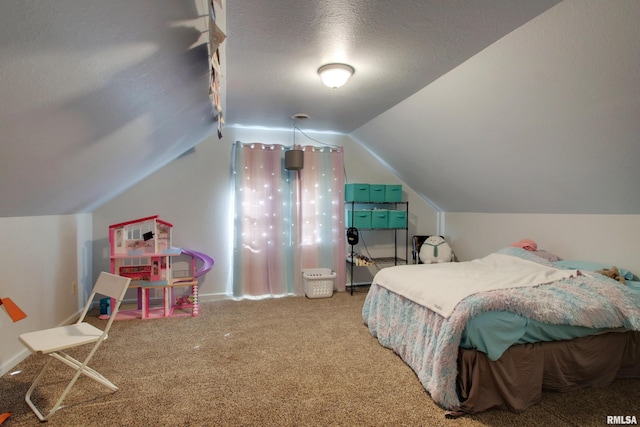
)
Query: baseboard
[
  {"x": 213, "y": 297},
  {"x": 8, "y": 365}
]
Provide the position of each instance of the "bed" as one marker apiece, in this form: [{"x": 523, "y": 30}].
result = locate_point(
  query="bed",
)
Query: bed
[{"x": 495, "y": 332}]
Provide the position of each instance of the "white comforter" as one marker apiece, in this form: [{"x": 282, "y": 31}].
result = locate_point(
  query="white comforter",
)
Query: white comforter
[{"x": 440, "y": 287}]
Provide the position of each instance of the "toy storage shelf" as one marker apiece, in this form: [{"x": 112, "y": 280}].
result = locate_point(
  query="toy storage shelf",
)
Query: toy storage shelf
[{"x": 397, "y": 224}]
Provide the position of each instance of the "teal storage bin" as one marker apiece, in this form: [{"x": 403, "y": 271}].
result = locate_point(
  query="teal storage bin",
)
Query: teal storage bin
[
  {"x": 393, "y": 193},
  {"x": 397, "y": 219},
  {"x": 377, "y": 193},
  {"x": 359, "y": 218},
  {"x": 379, "y": 218},
  {"x": 356, "y": 192}
]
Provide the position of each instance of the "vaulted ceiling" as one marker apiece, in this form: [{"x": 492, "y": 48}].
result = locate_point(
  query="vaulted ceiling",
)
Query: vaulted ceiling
[
  {"x": 396, "y": 47},
  {"x": 482, "y": 106}
]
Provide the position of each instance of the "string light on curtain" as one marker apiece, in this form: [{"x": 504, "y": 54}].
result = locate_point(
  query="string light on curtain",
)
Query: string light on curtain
[{"x": 335, "y": 75}]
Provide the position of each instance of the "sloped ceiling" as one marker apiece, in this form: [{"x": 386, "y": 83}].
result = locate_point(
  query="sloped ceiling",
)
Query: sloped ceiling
[
  {"x": 275, "y": 48},
  {"x": 96, "y": 95},
  {"x": 492, "y": 106},
  {"x": 546, "y": 120}
]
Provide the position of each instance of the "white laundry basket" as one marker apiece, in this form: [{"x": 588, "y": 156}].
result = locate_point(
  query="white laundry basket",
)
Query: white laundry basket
[{"x": 318, "y": 282}]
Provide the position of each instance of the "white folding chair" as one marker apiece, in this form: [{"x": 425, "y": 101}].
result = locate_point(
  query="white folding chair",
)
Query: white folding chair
[{"x": 53, "y": 341}]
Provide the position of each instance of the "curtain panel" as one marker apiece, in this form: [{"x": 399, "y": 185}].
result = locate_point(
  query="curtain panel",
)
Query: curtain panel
[{"x": 286, "y": 221}]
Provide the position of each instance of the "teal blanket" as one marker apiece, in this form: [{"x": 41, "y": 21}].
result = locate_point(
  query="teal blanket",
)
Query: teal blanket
[{"x": 493, "y": 332}]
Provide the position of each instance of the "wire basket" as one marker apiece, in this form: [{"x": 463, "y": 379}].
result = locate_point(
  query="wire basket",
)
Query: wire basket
[{"x": 318, "y": 282}]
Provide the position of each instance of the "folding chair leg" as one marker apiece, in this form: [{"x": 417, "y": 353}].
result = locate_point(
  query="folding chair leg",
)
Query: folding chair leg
[
  {"x": 27, "y": 398},
  {"x": 79, "y": 367},
  {"x": 89, "y": 372}
]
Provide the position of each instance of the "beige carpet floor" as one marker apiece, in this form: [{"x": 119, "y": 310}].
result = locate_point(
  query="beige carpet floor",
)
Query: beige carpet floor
[{"x": 278, "y": 362}]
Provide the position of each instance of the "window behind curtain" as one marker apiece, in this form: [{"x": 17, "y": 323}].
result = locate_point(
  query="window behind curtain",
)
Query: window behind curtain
[{"x": 285, "y": 221}]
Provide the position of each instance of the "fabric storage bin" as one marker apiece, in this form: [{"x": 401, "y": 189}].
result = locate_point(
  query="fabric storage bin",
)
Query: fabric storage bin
[
  {"x": 377, "y": 193},
  {"x": 393, "y": 193},
  {"x": 318, "y": 282},
  {"x": 358, "y": 218},
  {"x": 379, "y": 218},
  {"x": 356, "y": 192},
  {"x": 397, "y": 219}
]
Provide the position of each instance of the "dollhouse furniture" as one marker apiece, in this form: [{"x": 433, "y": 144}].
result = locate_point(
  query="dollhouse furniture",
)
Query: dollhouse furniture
[
  {"x": 141, "y": 250},
  {"x": 55, "y": 341}
]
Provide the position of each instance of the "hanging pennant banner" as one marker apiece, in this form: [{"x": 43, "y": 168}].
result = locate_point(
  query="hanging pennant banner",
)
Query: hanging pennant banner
[{"x": 216, "y": 37}]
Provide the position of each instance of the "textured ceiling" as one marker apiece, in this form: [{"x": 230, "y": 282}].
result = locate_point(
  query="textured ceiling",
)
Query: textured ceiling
[
  {"x": 96, "y": 95},
  {"x": 274, "y": 50}
]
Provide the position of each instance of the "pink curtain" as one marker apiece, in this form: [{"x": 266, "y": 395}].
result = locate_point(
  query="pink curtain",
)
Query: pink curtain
[
  {"x": 286, "y": 220},
  {"x": 321, "y": 211}
]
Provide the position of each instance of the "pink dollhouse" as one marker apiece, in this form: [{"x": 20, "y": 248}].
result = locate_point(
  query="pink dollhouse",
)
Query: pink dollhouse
[{"x": 141, "y": 250}]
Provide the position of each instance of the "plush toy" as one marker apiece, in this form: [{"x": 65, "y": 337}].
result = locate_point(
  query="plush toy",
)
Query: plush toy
[
  {"x": 612, "y": 273},
  {"x": 526, "y": 244},
  {"x": 435, "y": 249}
]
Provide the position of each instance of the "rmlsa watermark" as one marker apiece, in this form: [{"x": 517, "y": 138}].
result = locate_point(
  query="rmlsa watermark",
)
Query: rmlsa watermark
[{"x": 622, "y": 419}]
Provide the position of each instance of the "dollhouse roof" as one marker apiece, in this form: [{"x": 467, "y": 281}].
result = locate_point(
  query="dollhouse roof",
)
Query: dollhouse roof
[{"x": 135, "y": 221}]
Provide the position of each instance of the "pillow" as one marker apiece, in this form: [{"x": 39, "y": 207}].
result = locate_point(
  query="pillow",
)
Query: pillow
[
  {"x": 633, "y": 285},
  {"x": 547, "y": 255},
  {"x": 524, "y": 254},
  {"x": 590, "y": 266}
]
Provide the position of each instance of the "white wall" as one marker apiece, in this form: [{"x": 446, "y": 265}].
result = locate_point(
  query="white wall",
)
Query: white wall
[
  {"x": 193, "y": 193},
  {"x": 363, "y": 167},
  {"x": 40, "y": 258},
  {"x": 611, "y": 239}
]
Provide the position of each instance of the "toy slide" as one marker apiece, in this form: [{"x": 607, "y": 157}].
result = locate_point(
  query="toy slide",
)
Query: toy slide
[{"x": 207, "y": 261}]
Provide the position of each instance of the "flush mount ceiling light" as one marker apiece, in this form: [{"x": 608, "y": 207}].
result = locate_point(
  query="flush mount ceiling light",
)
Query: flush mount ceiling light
[{"x": 335, "y": 75}]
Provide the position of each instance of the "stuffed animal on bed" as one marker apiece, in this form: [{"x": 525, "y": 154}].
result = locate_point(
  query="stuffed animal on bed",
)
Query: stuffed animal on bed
[
  {"x": 435, "y": 249},
  {"x": 526, "y": 244},
  {"x": 612, "y": 273}
]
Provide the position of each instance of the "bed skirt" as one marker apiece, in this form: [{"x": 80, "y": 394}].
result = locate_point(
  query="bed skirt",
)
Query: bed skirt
[{"x": 516, "y": 380}]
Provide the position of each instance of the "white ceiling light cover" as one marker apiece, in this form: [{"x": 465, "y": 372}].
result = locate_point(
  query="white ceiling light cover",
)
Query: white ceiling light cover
[{"x": 335, "y": 75}]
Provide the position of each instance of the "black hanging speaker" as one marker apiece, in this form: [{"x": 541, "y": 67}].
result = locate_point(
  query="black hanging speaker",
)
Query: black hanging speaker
[
  {"x": 352, "y": 236},
  {"x": 293, "y": 160}
]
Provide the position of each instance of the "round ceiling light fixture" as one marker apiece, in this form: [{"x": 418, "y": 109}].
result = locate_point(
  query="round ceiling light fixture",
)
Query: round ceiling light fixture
[
  {"x": 300, "y": 116},
  {"x": 335, "y": 75}
]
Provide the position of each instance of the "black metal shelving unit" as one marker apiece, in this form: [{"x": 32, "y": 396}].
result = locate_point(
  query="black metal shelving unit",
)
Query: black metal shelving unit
[{"x": 395, "y": 259}]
